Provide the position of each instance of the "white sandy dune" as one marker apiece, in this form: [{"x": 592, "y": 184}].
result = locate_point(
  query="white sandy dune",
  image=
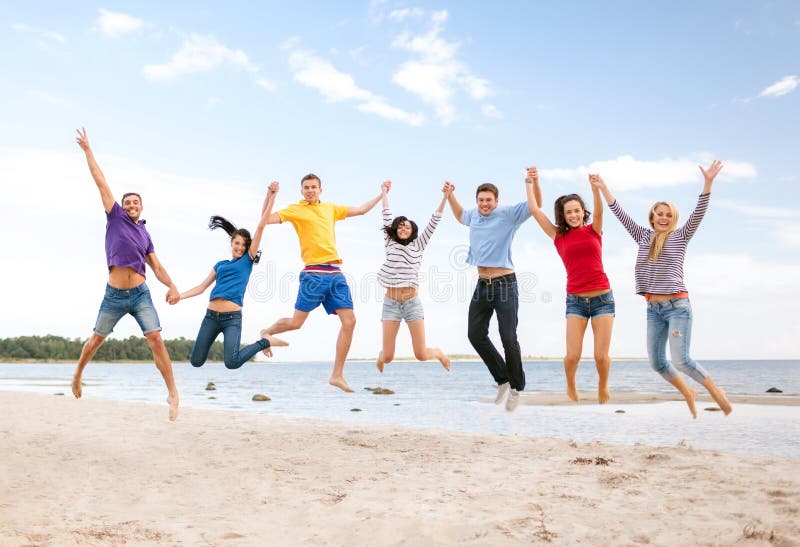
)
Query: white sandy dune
[{"x": 95, "y": 472}]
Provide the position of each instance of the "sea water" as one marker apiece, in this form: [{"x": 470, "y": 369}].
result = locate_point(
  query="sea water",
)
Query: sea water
[{"x": 427, "y": 396}]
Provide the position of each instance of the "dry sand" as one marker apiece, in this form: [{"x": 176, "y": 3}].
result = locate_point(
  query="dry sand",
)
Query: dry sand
[{"x": 95, "y": 472}]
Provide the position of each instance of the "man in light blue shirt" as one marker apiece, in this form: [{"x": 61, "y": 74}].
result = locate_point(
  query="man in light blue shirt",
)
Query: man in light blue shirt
[{"x": 491, "y": 231}]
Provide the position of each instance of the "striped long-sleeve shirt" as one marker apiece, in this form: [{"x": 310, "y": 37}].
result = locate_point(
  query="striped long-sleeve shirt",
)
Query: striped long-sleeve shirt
[
  {"x": 401, "y": 268},
  {"x": 663, "y": 275}
]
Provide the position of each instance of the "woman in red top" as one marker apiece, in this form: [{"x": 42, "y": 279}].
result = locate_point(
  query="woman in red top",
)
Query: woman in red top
[{"x": 589, "y": 293}]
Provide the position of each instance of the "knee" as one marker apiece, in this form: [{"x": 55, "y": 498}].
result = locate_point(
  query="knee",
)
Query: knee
[
  {"x": 421, "y": 355},
  {"x": 509, "y": 340},
  {"x": 196, "y": 361},
  {"x": 601, "y": 359},
  {"x": 476, "y": 335},
  {"x": 572, "y": 358},
  {"x": 230, "y": 363},
  {"x": 387, "y": 356},
  {"x": 94, "y": 342},
  {"x": 659, "y": 364},
  {"x": 349, "y": 322}
]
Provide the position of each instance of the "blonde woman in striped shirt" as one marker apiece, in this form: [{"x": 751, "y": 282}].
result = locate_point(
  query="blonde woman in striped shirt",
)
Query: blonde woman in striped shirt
[
  {"x": 399, "y": 275},
  {"x": 659, "y": 278}
]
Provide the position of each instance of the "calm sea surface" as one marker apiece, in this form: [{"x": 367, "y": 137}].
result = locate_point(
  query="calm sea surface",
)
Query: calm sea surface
[{"x": 426, "y": 396}]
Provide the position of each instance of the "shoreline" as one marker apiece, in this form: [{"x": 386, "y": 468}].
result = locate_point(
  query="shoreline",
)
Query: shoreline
[{"x": 108, "y": 472}]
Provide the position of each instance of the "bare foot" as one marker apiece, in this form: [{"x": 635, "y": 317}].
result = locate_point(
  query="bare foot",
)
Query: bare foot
[
  {"x": 273, "y": 341},
  {"x": 572, "y": 390},
  {"x": 603, "y": 394},
  {"x": 339, "y": 381},
  {"x": 172, "y": 401},
  {"x": 692, "y": 395},
  {"x": 445, "y": 361},
  {"x": 77, "y": 390},
  {"x": 379, "y": 363},
  {"x": 719, "y": 396}
]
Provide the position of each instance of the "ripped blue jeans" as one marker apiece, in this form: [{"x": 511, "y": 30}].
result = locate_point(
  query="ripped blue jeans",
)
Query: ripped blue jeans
[{"x": 670, "y": 323}]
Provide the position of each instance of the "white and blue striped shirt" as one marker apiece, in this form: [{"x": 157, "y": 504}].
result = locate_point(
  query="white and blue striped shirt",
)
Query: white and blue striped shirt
[{"x": 401, "y": 268}]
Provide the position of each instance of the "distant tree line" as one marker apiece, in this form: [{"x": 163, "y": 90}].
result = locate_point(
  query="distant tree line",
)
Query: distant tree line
[{"x": 135, "y": 348}]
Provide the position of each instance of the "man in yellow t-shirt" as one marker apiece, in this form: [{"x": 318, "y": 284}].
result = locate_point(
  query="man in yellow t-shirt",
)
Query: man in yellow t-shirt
[{"x": 321, "y": 281}]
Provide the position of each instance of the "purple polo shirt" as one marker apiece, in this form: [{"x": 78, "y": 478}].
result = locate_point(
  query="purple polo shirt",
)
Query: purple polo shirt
[{"x": 126, "y": 241}]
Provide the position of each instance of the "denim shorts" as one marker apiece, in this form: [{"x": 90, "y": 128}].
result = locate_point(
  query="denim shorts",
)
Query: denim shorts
[
  {"x": 395, "y": 310},
  {"x": 328, "y": 289},
  {"x": 593, "y": 306},
  {"x": 119, "y": 302}
]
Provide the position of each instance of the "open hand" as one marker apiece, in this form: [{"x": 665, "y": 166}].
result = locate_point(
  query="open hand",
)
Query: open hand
[{"x": 83, "y": 140}]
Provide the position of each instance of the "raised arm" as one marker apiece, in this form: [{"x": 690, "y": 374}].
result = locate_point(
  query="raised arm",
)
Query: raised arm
[
  {"x": 534, "y": 194},
  {"x": 266, "y": 213},
  {"x": 427, "y": 233},
  {"x": 710, "y": 174},
  {"x": 367, "y": 207},
  {"x": 200, "y": 289},
  {"x": 162, "y": 275},
  {"x": 94, "y": 169},
  {"x": 693, "y": 222},
  {"x": 597, "y": 215},
  {"x": 449, "y": 190},
  {"x": 636, "y": 231}
]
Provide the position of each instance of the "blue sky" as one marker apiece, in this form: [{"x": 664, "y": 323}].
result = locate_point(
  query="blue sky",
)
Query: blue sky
[{"x": 199, "y": 106}]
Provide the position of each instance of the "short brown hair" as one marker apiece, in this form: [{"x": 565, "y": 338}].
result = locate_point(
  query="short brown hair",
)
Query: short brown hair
[
  {"x": 488, "y": 187},
  {"x": 309, "y": 177},
  {"x": 126, "y": 194}
]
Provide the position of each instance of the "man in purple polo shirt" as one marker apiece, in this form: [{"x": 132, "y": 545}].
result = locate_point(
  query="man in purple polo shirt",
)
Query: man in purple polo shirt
[{"x": 128, "y": 247}]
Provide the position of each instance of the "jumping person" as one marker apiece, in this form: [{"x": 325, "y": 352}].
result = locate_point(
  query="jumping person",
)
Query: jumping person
[
  {"x": 399, "y": 275},
  {"x": 322, "y": 280},
  {"x": 491, "y": 231},
  {"x": 589, "y": 295},
  {"x": 224, "y": 313},
  {"x": 659, "y": 278},
  {"x": 128, "y": 248}
]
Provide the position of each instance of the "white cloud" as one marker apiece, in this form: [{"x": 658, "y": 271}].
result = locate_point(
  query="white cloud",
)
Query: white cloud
[
  {"x": 199, "y": 54},
  {"x": 628, "y": 173},
  {"x": 265, "y": 84},
  {"x": 337, "y": 86},
  {"x": 400, "y": 15},
  {"x": 437, "y": 74},
  {"x": 490, "y": 111},
  {"x": 761, "y": 211},
  {"x": 115, "y": 24},
  {"x": 43, "y": 33},
  {"x": 778, "y": 89}
]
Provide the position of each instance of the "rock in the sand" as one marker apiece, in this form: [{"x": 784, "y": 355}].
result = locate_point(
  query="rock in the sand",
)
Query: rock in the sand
[
  {"x": 712, "y": 408},
  {"x": 355, "y": 410},
  {"x": 210, "y": 386},
  {"x": 59, "y": 393},
  {"x": 620, "y": 411},
  {"x": 211, "y": 397},
  {"x": 260, "y": 397},
  {"x": 369, "y": 388},
  {"x": 382, "y": 391},
  {"x": 774, "y": 390}
]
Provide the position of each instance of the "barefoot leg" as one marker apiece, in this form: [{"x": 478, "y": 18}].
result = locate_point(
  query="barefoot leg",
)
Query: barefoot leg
[
  {"x": 348, "y": 320},
  {"x": 718, "y": 394},
  {"x": 576, "y": 328},
  {"x": 164, "y": 365},
  {"x": 89, "y": 349},
  {"x": 601, "y": 328},
  {"x": 421, "y": 352},
  {"x": 386, "y": 355},
  {"x": 688, "y": 393}
]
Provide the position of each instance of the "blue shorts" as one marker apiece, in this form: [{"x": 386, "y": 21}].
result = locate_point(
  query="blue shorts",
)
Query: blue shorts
[
  {"x": 593, "y": 306},
  {"x": 395, "y": 310},
  {"x": 120, "y": 302},
  {"x": 328, "y": 289}
]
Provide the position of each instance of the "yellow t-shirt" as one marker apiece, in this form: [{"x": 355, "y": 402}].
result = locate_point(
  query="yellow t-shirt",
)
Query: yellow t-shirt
[{"x": 314, "y": 223}]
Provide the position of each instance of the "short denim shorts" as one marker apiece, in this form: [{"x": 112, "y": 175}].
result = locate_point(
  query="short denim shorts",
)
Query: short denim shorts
[
  {"x": 395, "y": 310},
  {"x": 119, "y": 302},
  {"x": 328, "y": 289},
  {"x": 593, "y": 306}
]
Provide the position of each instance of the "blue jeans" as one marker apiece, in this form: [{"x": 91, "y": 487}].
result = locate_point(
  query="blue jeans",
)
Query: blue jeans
[
  {"x": 119, "y": 302},
  {"x": 230, "y": 325},
  {"x": 497, "y": 296},
  {"x": 670, "y": 323}
]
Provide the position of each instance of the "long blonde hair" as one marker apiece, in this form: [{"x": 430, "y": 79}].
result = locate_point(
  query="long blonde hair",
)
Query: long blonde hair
[{"x": 660, "y": 237}]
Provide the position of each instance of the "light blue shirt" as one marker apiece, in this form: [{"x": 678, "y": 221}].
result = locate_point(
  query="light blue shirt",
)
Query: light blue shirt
[{"x": 490, "y": 236}]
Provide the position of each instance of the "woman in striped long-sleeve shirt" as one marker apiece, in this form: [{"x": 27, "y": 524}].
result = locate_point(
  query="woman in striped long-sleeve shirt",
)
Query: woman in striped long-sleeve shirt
[
  {"x": 399, "y": 275},
  {"x": 659, "y": 278}
]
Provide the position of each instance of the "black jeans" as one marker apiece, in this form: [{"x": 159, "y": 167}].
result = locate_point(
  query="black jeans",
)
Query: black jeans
[{"x": 498, "y": 295}]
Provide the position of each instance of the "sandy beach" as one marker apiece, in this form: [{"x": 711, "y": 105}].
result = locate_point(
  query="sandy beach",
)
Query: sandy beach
[{"x": 94, "y": 472}]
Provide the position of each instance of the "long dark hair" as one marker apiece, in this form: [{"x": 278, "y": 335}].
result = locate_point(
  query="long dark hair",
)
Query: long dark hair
[
  {"x": 391, "y": 230},
  {"x": 561, "y": 223},
  {"x": 221, "y": 222}
]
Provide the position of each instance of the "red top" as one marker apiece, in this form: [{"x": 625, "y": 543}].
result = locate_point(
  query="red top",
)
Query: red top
[{"x": 581, "y": 250}]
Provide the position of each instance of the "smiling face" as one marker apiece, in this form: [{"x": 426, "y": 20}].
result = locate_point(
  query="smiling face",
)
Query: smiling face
[
  {"x": 404, "y": 229},
  {"x": 132, "y": 204},
  {"x": 573, "y": 213},
  {"x": 311, "y": 189},
  {"x": 238, "y": 246},
  {"x": 487, "y": 202},
  {"x": 663, "y": 217}
]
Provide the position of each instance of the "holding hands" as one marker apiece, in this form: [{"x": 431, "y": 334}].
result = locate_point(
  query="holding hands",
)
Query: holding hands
[
  {"x": 448, "y": 187},
  {"x": 273, "y": 188},
  {"x": 532, "y": 175},
  {"x": 386, "y": 186}
]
